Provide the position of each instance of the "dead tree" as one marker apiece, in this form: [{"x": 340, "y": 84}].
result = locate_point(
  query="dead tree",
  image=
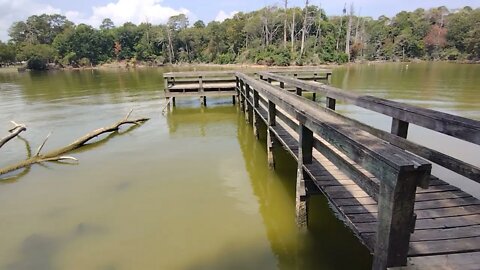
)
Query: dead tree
[
  {"x": 14, "y": 132},
  {"x": 304, "y": 28},
  {"x": 349, "y": 30},
  {"x": 59, "y": 154},
  {"x": 285, "y": 25}
]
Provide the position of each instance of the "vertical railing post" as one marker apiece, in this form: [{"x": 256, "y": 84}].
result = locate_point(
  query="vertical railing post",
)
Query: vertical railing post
[
  {"x": 248, "y": 106},
  {"x": 242, "y": 97},
  {"x": 396, "y": 220},
  {"x": 201, "y": 89},
  {"x": 330, "y": 103},
  {"x": 305, "y": 148},
  {"x": 272, "y": 112},
  {"x": 282, "y": 85},
  {"x": 237, "y": 90},
  {"x": 399, "y": 128},
  {"x": 299, "y": 91},
  {"x": 256, "y": 117}
]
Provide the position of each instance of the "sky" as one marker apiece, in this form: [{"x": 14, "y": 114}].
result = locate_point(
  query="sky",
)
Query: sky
[{"x": 158, "y": 11}]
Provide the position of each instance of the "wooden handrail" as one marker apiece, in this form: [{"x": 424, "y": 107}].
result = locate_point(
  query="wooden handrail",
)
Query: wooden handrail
[
  {"x": 393, "y": 108},
  {"x": 456, "y": 126},
  {"x": 395, "y": 157}
]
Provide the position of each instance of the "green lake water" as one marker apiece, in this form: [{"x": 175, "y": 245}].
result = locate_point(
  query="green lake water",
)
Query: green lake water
[{"x": 191, "y": 189}]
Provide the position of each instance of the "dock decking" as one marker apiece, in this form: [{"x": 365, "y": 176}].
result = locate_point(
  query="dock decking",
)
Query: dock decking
[{"x": 368, "y": 177}]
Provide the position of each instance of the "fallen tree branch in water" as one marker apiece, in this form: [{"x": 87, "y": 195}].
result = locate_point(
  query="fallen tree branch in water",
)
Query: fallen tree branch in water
[
  {"x": 59, "y": 154},
  {"x": 14, "y": 132}
]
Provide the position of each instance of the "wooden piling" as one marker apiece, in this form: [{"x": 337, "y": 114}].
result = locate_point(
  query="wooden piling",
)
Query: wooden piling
[{"x": 305, "y": 149}]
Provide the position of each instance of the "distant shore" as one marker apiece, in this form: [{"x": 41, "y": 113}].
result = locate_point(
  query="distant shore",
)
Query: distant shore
[{"x": 141, "y": 65}]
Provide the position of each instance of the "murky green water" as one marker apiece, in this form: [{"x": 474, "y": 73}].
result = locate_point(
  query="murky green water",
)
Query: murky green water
[{"x": 189, "y": 190}]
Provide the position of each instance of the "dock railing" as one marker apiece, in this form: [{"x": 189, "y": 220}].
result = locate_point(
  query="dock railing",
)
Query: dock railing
[
  {"x": 399, "y": 172},
  {"x": 402, "y": 115}
]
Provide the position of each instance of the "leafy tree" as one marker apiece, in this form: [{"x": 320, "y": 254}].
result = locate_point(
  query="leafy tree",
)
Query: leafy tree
[
  {"x": 7, "y": 53},
  {"x": 107, "y": 24}
]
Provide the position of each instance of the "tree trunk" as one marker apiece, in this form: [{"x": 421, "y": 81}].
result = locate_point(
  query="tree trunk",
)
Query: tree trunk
[
  {"x": 304, "y": 28},
  {"x": 349, "y": 29},
  {"x": 285, "y": 26},
  {"x": 293, "y": 32},
  {"x": 340, "y": 28}
]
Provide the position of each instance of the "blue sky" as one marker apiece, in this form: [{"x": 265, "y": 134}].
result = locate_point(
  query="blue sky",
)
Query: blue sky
[{"x": 158, "y": 11}]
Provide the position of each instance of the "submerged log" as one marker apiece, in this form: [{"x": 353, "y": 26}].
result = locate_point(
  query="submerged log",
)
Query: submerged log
[{"x": 59, "y": 154}]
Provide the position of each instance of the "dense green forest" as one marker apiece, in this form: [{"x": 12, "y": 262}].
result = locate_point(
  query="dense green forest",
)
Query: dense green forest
[{"x": 271, "y": 36}]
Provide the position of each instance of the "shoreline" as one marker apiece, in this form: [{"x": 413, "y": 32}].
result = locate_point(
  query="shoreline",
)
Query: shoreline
[{"x": 123, "y": 65}]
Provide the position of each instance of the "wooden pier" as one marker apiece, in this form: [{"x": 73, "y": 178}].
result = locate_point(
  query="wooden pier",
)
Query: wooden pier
[{"x": 379, "y": 183}]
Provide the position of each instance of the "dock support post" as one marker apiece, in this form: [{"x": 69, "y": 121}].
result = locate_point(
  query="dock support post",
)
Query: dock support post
[
  {"x": 270, "y": 137},
  {"x": 304, "y": 157},
  {"x": 282, "y": 85},
  {"x": 173, "y": 101},
  {"x": 399, "y": 128},
  {"x": 314, "y": 96},
  {"x": 248, "y": 106},
  {"x": 395, "y": 220},
  {"x": 233, "y": 100},
  {"x": 204, "y": 100}
]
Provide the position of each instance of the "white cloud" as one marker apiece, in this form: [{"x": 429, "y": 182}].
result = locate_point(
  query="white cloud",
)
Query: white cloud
[
  {"x": 120, "y": 12},
  {"x": 17, "y": 10},
  {"x": 134, "y": 11},
  {"x": 222, "y": 15}
]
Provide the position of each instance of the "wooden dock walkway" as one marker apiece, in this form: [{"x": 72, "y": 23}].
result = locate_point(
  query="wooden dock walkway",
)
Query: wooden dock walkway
[{"x": 368, "y": 177}]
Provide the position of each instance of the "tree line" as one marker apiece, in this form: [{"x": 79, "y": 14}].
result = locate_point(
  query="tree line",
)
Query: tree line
[{"x": 271, "y": 36}]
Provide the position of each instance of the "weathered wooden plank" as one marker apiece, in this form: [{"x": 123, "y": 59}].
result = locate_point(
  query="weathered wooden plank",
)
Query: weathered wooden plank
[
  {"x": 444, "y": 246},
  {"x": 440, "y": 195},
  {"x": 448, "y": 233},
  {"x": 448, "y": 212},
  {"x": 428, "y": 224},
  {"x": 436, "y": 189},
  {"x": 446, "y": 203},
  {"x": 459, "y": 261},
  {"x": 198, "y": 94},
  {"x": 440, "y": 234}
]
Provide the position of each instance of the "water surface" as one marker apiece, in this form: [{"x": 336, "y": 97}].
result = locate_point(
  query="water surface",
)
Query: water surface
[{"x": 188, "y": 190}]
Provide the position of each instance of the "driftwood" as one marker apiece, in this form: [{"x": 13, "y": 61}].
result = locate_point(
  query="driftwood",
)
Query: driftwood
[
  {"x": 59, "y": 154},
  {"x": 14, "y": 132}
]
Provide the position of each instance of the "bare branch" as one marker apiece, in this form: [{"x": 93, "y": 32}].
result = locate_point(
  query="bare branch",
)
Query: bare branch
[
  {"x": 60, "y": 158},
  {"x": 14, "y": 132},
  {"x": 43, "y": 144}
]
